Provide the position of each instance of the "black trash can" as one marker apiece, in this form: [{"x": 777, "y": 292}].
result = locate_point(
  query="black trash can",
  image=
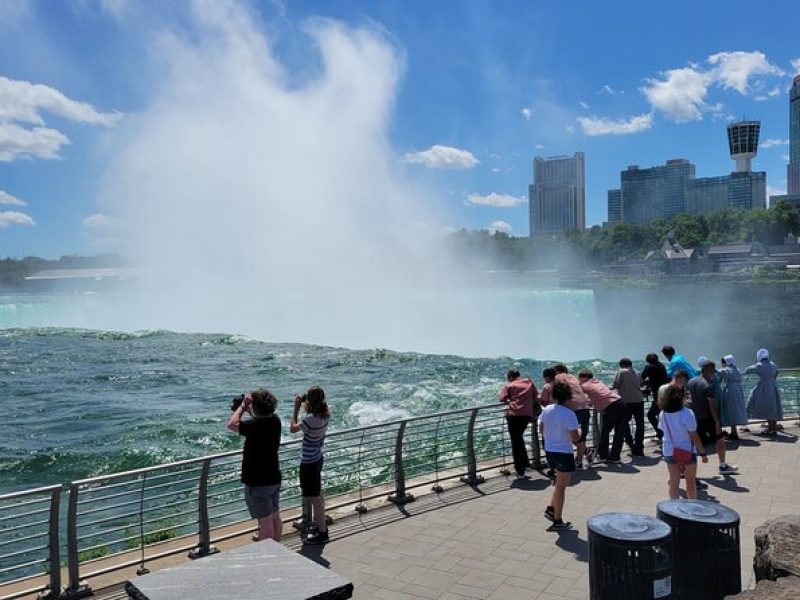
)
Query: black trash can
[
  {"x": 705, "y": 538},
  {"x": 630, "y": 557}
]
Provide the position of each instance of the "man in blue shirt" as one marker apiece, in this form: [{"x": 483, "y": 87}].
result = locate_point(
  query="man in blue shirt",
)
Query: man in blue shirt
[{"x": 677, "y": 363}]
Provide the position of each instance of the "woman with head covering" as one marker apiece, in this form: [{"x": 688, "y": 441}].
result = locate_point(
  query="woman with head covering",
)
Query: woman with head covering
[
  {"x": 765, "y": 399},
  {"x": 733, "y": 410}
]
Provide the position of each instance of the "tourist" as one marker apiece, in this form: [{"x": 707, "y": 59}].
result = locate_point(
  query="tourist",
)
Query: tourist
[
  {"x": 676, "y": 361},
  {"x": 519, "y": 394},
  {"x": 679, "y": 378},
  {"x": 261, "y": 474},
  {"x": 314, "y": 425},
  {"x": 654, "y": 375},
  {"x": 733, "y": 407},
  {"x": 607, "y": 404},
  {"x": 549, "y": 376},
  {"x": 559, "y": 428},
  {"x": 629, "y": 385},
  {"x": 765, "y": 399},
  {"x": 706, "y": 411},
  {"x": 679, "y": 426},
  {"x": 579, "y": 403}
]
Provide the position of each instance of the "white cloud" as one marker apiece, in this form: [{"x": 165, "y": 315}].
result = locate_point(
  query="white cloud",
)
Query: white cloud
[
  {"x": 442, "y": 157},
  {"x": 500, "y": 226},
  {"x": 494, "y": 199},
  {"x": 23, "y": 101},
  {"x": 18, "y": 142},
  {"x": 569, "y": 128},
  {"x": 601, "y": 126},
  {"x": 774, "y": 92},
  {"x": 539, "y": 146},
  {"x": 98, "y": 221},
  {"x": 583, "y": 104},
  {"x": 770, "y": 142},
  {"x": 12, "y": 217},
  {"x": 495, "y": 169},
  {"x": 607, "y": 89},
  {"x": 796, "y": 65},
  {"x": 8, "y": 199},
  {"x": 527, "y": 113},
  {"x": 680, "y": 95},
  {"x": 774, "y": 191},
  {"x": 734, "y": 69},
  {"x": 785, "y": 157}
]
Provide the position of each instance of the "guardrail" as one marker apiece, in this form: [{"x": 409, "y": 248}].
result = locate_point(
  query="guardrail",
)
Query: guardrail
[
  {"x": 29, "y": 526},
  {"x": 129, "y": 519}
]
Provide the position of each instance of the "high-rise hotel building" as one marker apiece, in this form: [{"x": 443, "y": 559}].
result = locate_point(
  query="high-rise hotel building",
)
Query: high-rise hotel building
[
  {"x": 792, "y": 195},
  {"x": 558, "y": 194},
  {"x": 665, "y": 191}
]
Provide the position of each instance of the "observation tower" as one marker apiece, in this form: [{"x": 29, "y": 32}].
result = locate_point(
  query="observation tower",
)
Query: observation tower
[{"x": 743, "y": 143}]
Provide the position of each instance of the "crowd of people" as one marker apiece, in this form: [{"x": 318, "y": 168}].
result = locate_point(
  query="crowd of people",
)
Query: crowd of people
[
  {"x": 261, "y": 472},
  {"x": 689, "y": 410}
]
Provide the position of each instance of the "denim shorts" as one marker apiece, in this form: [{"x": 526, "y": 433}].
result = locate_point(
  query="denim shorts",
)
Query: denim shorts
[
  {"x": 262, "y": 500},
  {"x": 564, "y": 462},
  {"x": 671, "y": 461}
]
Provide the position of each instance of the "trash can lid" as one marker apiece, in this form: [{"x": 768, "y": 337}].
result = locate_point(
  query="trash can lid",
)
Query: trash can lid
[
  {"x": 628, "y": 526},
  {"x": 700, "y": 511}
]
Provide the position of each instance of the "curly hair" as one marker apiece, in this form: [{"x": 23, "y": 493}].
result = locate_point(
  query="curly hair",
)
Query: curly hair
[{"x": 264, "y": 402}]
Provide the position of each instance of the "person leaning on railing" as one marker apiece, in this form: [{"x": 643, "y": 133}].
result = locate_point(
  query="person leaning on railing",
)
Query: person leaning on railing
[
  {"x": 261, "y": 473},
  {"x": 520, "y": 395}
]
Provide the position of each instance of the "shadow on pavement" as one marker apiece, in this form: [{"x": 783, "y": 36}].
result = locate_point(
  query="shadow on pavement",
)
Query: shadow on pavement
[
  {"x": 571, "y": 542},
  {"x": 726, "y": 482},
  {"x": 314, "y": 552}
]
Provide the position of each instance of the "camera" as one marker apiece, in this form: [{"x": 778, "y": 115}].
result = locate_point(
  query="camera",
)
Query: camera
[{"x": 237, "y": 402}]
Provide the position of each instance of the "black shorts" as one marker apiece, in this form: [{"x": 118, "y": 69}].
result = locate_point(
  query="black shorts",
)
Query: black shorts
[
  {"x": 583, "y": 415},
  {"x": 707, "y": 430},
  {"x": 563, "y": 462},
  {"x": 311, "y": 478}
]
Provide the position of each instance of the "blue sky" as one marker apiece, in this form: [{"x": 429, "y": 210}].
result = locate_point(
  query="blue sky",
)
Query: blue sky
[{"x": 483, "y": 87}]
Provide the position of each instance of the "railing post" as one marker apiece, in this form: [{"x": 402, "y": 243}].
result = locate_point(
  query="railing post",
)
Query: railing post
[
  {"x": 77, "y": 588},
  {"x": 204, "y": 547},
  {"x": 436, "y": 487},
  {"x": 400, "y": 496},
  {"x": 360, "y": 508},
  {"x": 472, "y": 477},
  {"x": 54, "y": 589},
  {"x": 536, "y": 446}
]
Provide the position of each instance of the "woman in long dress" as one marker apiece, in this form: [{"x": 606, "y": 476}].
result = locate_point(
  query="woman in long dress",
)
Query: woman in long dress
[
  {"x": 733, "y": 411},
  {"x": 765, "y": 399}
]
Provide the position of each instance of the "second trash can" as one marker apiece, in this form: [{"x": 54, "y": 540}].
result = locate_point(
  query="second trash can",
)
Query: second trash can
[
  {"x": 705, "y": 537},
  {"x": 629, "y": 557}
]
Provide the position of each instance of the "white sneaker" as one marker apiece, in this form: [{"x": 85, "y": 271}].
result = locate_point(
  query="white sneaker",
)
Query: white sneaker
[{"x": 728, "y": 469}]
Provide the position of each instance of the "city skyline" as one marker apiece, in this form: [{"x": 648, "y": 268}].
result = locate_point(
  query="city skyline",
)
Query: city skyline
[{"x": 470, "y": 94}]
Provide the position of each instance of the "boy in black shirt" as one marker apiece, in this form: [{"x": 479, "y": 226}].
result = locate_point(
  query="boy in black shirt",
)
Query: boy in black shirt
[{"x": 261, "y": 473}]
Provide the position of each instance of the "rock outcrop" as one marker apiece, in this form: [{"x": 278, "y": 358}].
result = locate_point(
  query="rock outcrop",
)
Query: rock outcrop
[
  {"x": 785, "y": 588},
  {"x": 777, "y": 548}
]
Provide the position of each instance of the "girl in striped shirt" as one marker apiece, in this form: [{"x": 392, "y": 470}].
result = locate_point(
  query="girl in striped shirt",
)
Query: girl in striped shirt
[{"x": 314, "y": 425}]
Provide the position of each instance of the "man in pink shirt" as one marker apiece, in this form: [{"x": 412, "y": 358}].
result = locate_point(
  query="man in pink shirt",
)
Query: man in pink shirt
[
  {"x": 579, "y": 404},
  {"x": 520, "y": 395},
  {"x": 606, "y": 403}
]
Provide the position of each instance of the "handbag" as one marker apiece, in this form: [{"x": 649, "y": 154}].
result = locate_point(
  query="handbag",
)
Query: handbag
[{"x": 679, "y": 455}]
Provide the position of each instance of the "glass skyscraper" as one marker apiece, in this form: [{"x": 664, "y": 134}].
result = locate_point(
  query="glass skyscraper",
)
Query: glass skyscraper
[
  {"x": 793, "y": 170},
  {"x": 614, "y": 206},
  {"x": 558, "y": 194}
]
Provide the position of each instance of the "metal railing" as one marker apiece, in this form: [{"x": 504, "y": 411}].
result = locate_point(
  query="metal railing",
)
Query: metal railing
[
  {"x": 29, "y": 528},
  {"x": 129, "y": 519}
]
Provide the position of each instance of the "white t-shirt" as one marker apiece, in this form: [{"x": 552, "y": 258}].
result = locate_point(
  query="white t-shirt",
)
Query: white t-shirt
[
  {"x": 677, "y": 434},
  {"x": 558, "y": 421}
]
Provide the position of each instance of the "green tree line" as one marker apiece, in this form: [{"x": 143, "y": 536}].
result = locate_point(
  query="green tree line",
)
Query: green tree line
[
  {"x": 13, "y": 271},
  {"x": 597, "y": 245}
]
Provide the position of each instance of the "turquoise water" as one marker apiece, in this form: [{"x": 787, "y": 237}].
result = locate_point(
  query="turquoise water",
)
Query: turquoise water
[{"x": 79, "y": 403}]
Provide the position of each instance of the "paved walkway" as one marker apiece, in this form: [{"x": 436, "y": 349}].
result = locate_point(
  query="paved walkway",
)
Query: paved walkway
[{"x": 492, "y": 543}]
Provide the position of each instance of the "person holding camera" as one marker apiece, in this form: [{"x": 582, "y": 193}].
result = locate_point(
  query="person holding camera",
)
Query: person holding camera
[
  {"x": 261, "y": 473},
  {"x": 314, "y": 426}
]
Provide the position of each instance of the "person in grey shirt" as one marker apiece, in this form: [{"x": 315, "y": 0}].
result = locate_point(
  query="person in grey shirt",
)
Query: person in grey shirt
[
  {"x": 705, "y": 406},
  {"x": 628, "y": 384}
]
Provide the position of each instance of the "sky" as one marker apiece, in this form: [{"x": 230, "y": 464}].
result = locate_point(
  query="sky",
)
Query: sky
[{"x": 480, "y": 89}]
